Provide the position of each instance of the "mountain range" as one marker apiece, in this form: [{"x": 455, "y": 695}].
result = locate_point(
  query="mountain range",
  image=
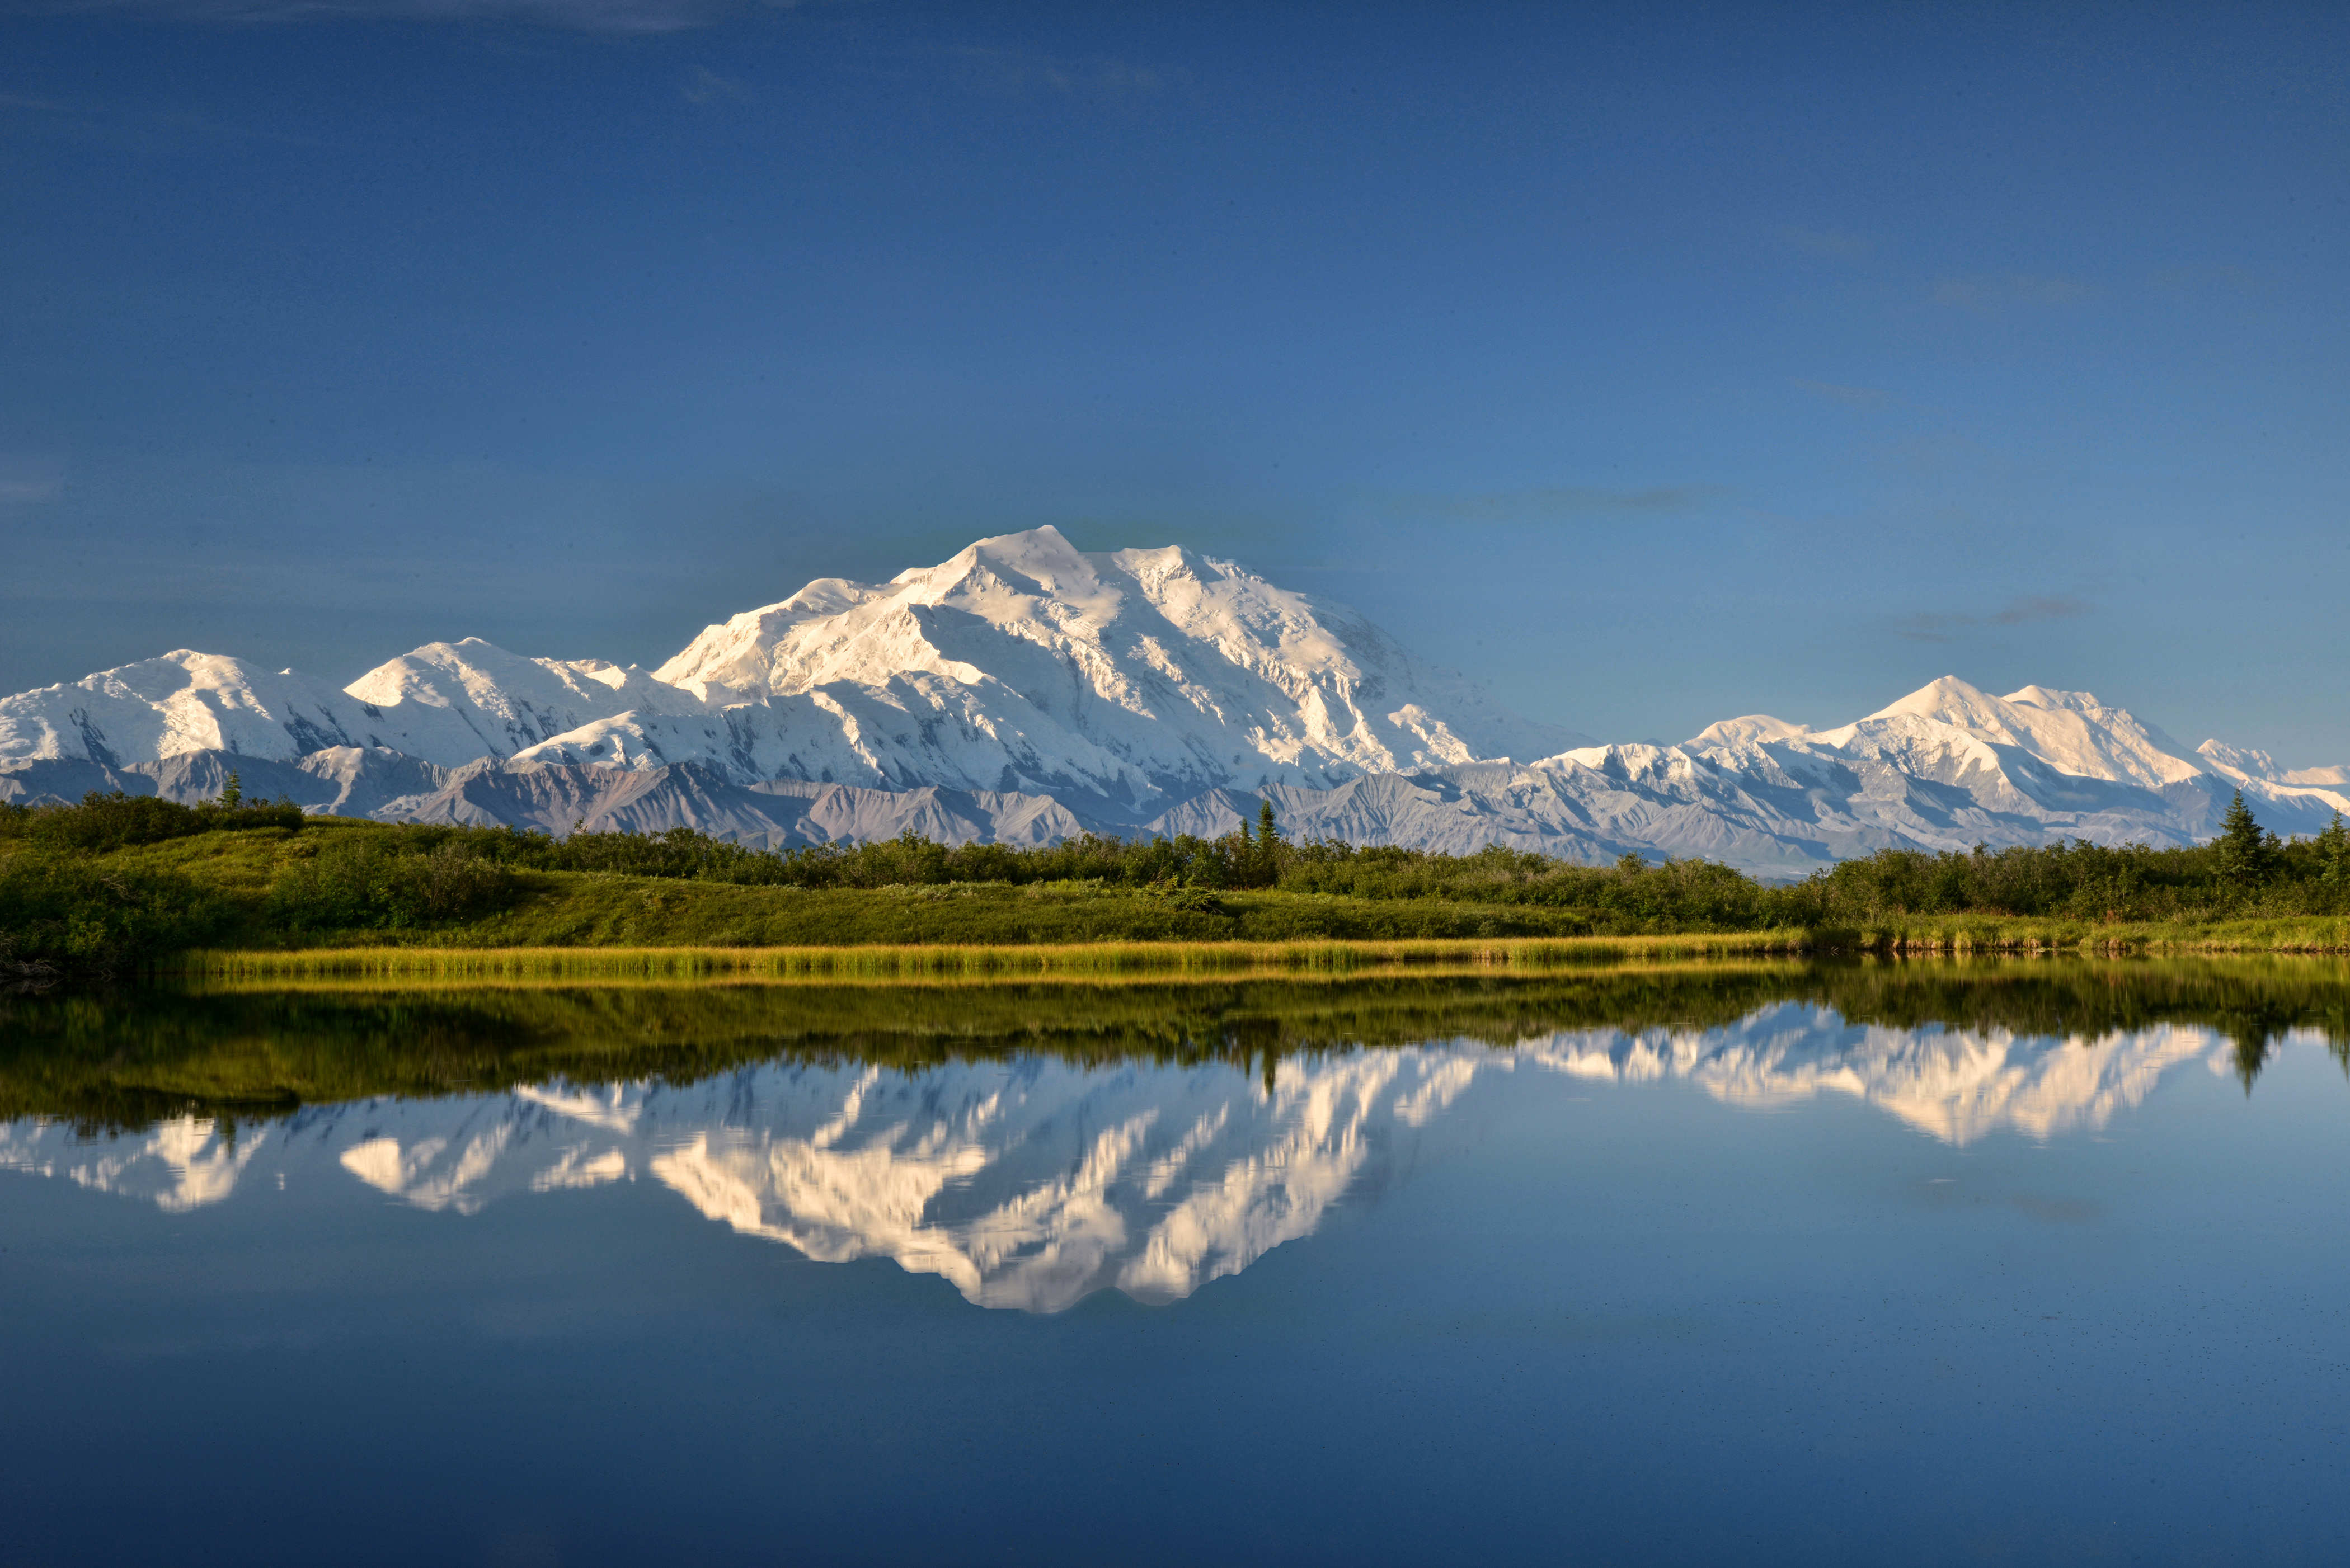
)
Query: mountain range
[{"x": 1025, "y": 691}]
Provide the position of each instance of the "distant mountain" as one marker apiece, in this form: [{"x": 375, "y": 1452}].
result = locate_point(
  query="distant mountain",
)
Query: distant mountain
[
  {"x": 1124, "y": 681},
  {"x": 1027, "y": 690}
]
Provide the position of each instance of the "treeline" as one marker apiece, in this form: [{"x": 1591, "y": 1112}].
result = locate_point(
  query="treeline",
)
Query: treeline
[
  {"x": 2246, "y": 873},
  {"x": 70, "y": 891}
]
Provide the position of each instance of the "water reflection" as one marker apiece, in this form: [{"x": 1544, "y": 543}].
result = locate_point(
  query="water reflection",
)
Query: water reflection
[{"x": 1029, "y": 1177}]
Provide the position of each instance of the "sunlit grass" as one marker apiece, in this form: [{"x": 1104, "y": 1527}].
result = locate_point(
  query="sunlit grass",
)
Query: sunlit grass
[{"x": 926, "y": 961}]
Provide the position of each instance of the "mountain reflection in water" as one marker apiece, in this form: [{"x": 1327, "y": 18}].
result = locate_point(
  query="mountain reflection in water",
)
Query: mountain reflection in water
[{"x": 1086, "y": 1149}]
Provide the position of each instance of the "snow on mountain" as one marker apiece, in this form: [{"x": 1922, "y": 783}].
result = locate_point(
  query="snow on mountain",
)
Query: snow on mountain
[
  {"x": 182, "y": 702},
  {"x": 451, "y": 702},
  {"x": 1753, "y": 729},
  {"x": 2069, "y": 731},
  {"x": 2249, "y": 766},
  {"x": 445, "y": 703},
  {"x": 1134, "y": 677},
  {"x": 1125, "y": 681},
  {"x": 1038, "y": 691}
]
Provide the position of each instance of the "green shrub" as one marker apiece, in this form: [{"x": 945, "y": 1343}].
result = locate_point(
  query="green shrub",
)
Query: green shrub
[
  {"x": 114, "y": 821},
  {"x": 369, "y": 885},
  {"x": 95, "y": 914}
]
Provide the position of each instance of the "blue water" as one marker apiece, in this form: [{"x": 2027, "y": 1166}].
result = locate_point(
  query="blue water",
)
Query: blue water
[{"x": 1792, "y": 1289}]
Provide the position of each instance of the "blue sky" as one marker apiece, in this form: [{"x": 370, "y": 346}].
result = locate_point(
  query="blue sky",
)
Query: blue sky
[{"x": 1653, "y": 364}]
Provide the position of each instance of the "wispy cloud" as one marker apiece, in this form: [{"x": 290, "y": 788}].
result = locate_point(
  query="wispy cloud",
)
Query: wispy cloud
[
  {"x": 1014, "y": 73},
  {"x": 139, "y": 130},
  {"x": 27, "y": 481},
  {"x": 1850, "y": 397},
  {"x": 1943, "y": 626},
  {"x": 707, "y": 85},
  {"x": 1990, "y": 295},
  {"x": 1554, "y": 502},
  {"x": 1832, "y": 245},
  {"x": 587, "y": 16}
]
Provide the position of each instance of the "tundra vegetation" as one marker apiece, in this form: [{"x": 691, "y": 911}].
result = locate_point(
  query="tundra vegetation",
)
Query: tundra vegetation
[{"x": 123, "y": 882}]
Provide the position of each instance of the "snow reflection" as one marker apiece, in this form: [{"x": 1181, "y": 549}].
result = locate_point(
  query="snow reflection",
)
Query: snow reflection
[{"x": 1030, "y": 1183}]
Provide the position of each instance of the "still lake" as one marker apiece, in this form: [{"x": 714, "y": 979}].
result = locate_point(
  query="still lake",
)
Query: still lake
[{"x": 1925, "y": 1262}]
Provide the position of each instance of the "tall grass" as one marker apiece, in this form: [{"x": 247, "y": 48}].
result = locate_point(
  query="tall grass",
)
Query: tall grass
[{"x": 900, "y": 962}]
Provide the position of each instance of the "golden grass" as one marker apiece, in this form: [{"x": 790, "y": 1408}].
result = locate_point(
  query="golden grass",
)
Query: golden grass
[
  {"x": 1087, "y": 961},
  {"x": 1958, "y": 935}
]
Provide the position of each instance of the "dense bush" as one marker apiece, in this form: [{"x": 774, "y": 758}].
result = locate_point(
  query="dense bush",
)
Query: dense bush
[
  {"x": 95, "y": 914},
  {"x": 2245, "y": 873},
  {"x": 112, "y": 821},
  {"x": 370, "y": 885}
]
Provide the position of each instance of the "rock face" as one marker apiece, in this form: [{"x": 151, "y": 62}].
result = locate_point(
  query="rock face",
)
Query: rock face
[
  {"x": 1027, "y": 690},
  {"x": 344, "y": 781}
]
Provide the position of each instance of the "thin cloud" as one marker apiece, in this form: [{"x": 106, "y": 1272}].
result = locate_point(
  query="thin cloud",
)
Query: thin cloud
[
  {"x": 133, "y": 129},
  {"x": 1990, "y": 295},
  {"x": 1831, "y": 245},
  {"x": 1557, "y": 502},
  {"x": 1850, "y": 397},
  {"x": 1014, "y": 74},
  {"x": 583, "y": 15},
  {"x": 29, "y": 481},
  {"x": 708, "y": 86},
  {"x": 1943, "y": 626}
]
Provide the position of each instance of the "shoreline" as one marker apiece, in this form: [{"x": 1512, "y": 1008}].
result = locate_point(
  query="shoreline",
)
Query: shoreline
[{"x": 1210, "y": 959}]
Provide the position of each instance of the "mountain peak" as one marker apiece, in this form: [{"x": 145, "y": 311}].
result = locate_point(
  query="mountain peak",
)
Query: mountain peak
[
  {"x": 2055, "y": 701},
  {"x": 1948, "y": 698},
  {"x": 1022, "y": 662}
]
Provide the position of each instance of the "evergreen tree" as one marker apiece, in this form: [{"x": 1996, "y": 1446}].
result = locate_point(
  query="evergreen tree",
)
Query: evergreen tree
[
  {"x": 2246, "y": 853},
  {"x": 2334, "y": 852},
  {"x": 1268, "y": 845},
  {"x": 232, "y": 794}
]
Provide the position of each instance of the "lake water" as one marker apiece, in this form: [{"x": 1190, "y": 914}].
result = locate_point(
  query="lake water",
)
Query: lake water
[{"x": 2014, "y": 1263}]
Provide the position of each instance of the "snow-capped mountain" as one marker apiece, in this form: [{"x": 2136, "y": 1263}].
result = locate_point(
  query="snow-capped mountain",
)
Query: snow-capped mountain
[
  {"x": 183, "y": 701},
  {"x": 1029, "y": 689},
  {"x": 1128, "y": 679},
  {"x": 445, "y": 703},
  {"x": 456, "y": 702}
]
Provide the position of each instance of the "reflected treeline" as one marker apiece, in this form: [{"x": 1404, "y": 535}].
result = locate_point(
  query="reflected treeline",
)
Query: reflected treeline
[{"x": 108, "y": 1061}]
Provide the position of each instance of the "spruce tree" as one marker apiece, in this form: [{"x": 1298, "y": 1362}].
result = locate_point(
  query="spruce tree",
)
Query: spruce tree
[
  {"x": 232, "y": 794},
  {"x": 1268, "y": 844},
  {"x": 2245, "y": 852},
  {"x": 2334, "y": 852}
]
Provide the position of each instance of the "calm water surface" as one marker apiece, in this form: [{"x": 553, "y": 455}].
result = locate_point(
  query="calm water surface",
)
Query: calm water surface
[{"x": 1918, "y": 1263}]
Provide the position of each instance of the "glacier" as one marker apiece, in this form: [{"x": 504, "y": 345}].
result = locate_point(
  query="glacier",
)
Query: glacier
[{"x": 1025, "y": 691}]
